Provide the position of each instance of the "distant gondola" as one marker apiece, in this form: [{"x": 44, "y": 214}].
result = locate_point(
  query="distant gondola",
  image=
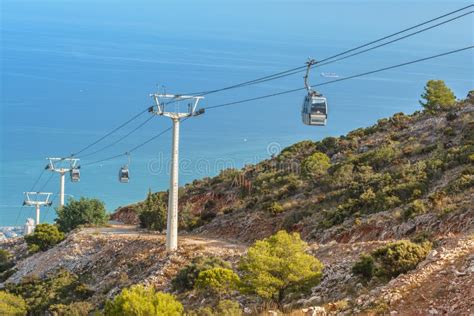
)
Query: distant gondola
[
  {"x": 75, "y": 174},
  {"x": 124, "y": 175}
]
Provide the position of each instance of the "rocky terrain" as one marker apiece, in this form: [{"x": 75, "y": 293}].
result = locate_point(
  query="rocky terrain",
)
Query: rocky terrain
[
  {"x": 375, "y": 175},
  {"x": 405, "y": 178},
  {"x": 109, "y": 259}
]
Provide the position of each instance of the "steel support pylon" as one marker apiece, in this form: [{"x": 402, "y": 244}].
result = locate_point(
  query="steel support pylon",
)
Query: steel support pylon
[
  {"x": 172, "y": 218},
  {"x": 53, "y": 166},
  {"x": 61, "y": 188},
  {"x": 37, "y": 199}
]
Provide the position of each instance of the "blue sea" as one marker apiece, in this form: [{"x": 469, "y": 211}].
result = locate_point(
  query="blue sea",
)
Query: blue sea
[{"x": 73, "y": 70}]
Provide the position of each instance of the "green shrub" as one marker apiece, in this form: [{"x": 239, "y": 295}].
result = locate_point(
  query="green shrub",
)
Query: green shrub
[
  {"x": 315, "y": 165},
  {"x": 437, "y": 96},
  {"x": 342, "y": 175},
  {"x": 152, "y": 213},
  {"x": 337, "y": 307},
  {"x": 364, "y": 267},
  {"x": 228, "y": 308},
  {"x": 202, "y": 311},
  {"x": 12, "y": 305},
  {"x": 6, "y": 274},
  {"x": 186, "y": 277},
  {"x": 423, "y": 238},
  {"x": 415, "y": 208},
  {"x": 278, "y": 264},
  {"x": 399, "y": 120},
  {"x": 399, "y": 257},
  {"x": 463, "y": 182},
  {"x": 139, "y": 300},
  {"x": 81, "y": 212},
  {"x": 6, "y": 261},
  {"x": 217, "y": 281},
  {"x": 60, "y": 288},
  {"x": 449, "y": 131},
  {"x": 275, "y": 208},
  {"x": 328, "y": 145},
  {"x": 73, "y": 309},
  {"x": 294, "y": 218},
  {"x": 297, "y": 150},
  {"x": 380, "y": 157},
  {"x": 44, "y": 237},
  {"x": 223, "y": 308}
]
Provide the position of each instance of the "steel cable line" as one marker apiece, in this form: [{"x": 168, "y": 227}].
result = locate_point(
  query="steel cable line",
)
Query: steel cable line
[
  {"x": 298, "y": 69},
  {"x": 285, "y": 73},
  {"x": 45, "y": 216},
  {"x": 120, "y": 139},
  {"x": 322, "y": 63},
  {"x": 287, "y": 92},
  {"x": 110, "y": 133},
  {"x": 47, "y": 181},
  {"x": 341, "y": 79},
  {"x": 292, "y": 71},
  {"x": 42, "y": 187},
  {"x": 131, "y": 150}
]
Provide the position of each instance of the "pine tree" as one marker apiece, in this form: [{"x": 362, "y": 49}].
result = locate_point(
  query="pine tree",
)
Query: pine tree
[
  {"x": 437, "y": 96},
  {"x": 152, "y": 213}
]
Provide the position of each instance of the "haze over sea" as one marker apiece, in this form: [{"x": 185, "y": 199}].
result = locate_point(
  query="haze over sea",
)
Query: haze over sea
[{"x": 73, "y": 70}]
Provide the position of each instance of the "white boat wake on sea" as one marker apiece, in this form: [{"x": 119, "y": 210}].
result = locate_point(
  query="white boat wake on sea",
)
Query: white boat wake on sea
[{"x": 329, "y": 75}]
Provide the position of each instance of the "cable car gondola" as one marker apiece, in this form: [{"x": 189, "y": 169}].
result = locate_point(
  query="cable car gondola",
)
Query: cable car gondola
[
  {"x": 124, "y": 174},
  {"x": 75, "y": 174},
  {"x": 315, "y": 108}
]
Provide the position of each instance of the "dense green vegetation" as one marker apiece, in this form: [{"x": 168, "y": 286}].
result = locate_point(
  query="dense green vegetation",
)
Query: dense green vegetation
[
  {"x": 84, "y": 211},
  {"x": 217, "y": 281},
  {"x": 6, "y": 261},
  {"x": 186, "y": 277},
  {"x": 12, "y": 305},
  {"x": 152, "y": 212},
  {"x": 391, "y": 260},
  {"x": 139, "y": 300},
  {"x": 41, "y": 295},
  {"x": 315, "y": 165},
  {"x": 44, "y": 237},
  {"x": 340, "y": 181},
  {"x": 271, "y": 269},
  {"x": 279, "y": 265},
  {"x": 407, "y": 168},
  {"x": 223, "y": 308},
  {"x": 6, "y": 265}
]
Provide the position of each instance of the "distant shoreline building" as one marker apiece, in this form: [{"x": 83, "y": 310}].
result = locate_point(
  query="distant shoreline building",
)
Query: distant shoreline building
[{"x": 29, "y": 226}]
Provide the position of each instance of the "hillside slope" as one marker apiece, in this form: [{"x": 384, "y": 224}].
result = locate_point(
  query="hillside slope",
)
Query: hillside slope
[
  {"x": 406, "y": 177},
  {"x": 400, "y": 177}
]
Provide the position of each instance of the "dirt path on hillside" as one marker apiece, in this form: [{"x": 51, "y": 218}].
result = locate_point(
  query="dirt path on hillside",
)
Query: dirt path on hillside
[{"x": 132, "y": 231}]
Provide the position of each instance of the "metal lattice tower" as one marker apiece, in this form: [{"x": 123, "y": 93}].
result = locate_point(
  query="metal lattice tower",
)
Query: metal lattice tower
[
  {"x": 176, "y": 117},
  {"x": 54, "y": 166},
  {"x": 37, "y": 199}
]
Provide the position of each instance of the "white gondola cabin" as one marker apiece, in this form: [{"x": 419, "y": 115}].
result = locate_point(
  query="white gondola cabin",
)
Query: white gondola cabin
[
  {"x": 315, "y": 110},
  {"x": 315, "y": 107},
  {"x": 75, "y": 175},
  {"x": 124, "y": 175}
]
